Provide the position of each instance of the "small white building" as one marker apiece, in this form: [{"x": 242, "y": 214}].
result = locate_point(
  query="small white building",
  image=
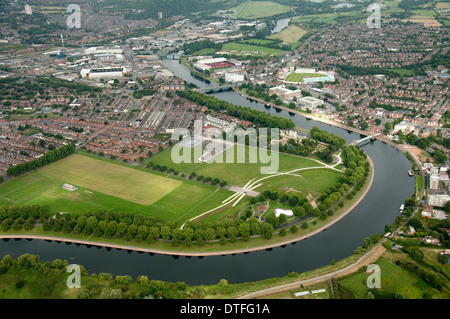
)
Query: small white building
[{"x": 287, "y": 212}]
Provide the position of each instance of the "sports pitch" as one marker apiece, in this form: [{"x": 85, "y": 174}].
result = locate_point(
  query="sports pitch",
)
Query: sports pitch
[
  {"x": 105, "y": 185},
  {"x": 299, "y": 77}
]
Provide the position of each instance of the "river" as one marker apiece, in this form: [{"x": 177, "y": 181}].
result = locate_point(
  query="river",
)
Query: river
[{"x": 391, "y": 186}]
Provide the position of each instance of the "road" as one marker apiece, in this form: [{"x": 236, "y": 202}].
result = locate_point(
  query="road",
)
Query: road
[{"x": 129, "y": 55}]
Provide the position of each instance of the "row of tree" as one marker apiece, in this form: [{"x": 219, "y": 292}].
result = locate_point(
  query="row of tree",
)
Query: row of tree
[
  {"x": 206, "y": 179},
  {"x": 129, "y": 226},
  {"x": 49, "y": 157},
  {"x": 258, "y": 118}
]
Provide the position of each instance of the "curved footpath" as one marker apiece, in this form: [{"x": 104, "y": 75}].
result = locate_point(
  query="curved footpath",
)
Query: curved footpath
[{"x": 199, "y": 254}]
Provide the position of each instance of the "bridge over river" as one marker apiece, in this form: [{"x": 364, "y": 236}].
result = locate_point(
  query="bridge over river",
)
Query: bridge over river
[
  {"x": 215, "y": 89},
  {"x": 371, "y": 137}
]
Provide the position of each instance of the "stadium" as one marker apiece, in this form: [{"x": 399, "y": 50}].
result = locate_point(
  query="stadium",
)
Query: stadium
[
  {"x": 213, "y": 64},
  {"x": 308, "y": 76}
]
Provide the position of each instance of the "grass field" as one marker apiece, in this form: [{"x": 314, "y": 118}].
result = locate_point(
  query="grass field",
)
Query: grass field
[
  {"x": 393, "y": 278},
  {"x": 240, "y": 48},
  {"x": 134, "y": 186},
  {"x": 291, "y": 34},
  {"x": 301, "y": 183},
  {"x": 298, "y": 77},
  {"x": 259, "y": 9},
  {"x": 106, "y": 185}
]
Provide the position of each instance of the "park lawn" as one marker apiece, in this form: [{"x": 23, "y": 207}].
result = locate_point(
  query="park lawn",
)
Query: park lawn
[
  {"x": 250, "y": 49},
  {"x": 291, "y": 34},
  {"x": 233, "y": 173},
  {"x": 314, "y": 181},
  {"x": 408, "y": 72},
  {"x": 259, "y": 9},
  {"x": 298, "y": 77},
  {"x": 393, "y": 279},
  {"x": 187, "y": 201}
]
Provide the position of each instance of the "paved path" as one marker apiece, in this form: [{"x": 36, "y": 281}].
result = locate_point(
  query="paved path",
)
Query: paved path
[{"x": 370, "y": 257}]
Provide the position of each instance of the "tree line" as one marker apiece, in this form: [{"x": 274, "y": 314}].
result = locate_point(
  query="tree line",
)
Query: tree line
[
  {"x": 130, "y": 226},
  {"x": 258, "y": 118},
  {"x": 49, "y": 157}
]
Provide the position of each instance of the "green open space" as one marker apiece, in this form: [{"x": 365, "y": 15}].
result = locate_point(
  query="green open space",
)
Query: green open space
[
  {"x": 291, "y": 34},
  {"x": 234, "y": 172},
  {"x": 248, "y": 49},
  {"x": 393, "y": 279},
  {"x": 259, "y": 9},
  {"x": 105, "y": 185}
]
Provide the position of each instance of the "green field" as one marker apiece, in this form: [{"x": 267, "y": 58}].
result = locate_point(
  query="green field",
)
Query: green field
[
  {"x": 291, "y": 34},
  {"x": 106, "y": 185},
  {"x": 240, "y": 48},
  {"x": 393, "y": 278},
  {"x": 259, "y": 9},
  {"x": 298, "y": 77},
  {"x": 239, "y": 174}
]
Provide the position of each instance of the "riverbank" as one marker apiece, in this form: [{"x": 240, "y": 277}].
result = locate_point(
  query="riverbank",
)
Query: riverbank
[
  {"x": 306, "y": 115},
  {"x": 175, "y": 252}
]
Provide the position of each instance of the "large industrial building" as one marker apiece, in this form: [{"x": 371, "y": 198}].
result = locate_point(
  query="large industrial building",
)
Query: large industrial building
[
  {"x": 102, "y": 51},
  {"x": 103, "y": 73}
]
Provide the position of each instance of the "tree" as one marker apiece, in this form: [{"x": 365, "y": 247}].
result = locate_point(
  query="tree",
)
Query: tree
[
  {"x": 267, "y": 230},
  {"x": 271, "y": 219},
  {"x": 364, "y": 126}
]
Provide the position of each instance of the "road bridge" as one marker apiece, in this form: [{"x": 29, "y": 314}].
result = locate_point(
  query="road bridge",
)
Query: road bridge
[{"x": 215, "y": 89}]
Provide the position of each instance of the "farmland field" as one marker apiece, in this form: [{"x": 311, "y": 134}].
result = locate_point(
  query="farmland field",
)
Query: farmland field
[{"x": 259, "y": 9}]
